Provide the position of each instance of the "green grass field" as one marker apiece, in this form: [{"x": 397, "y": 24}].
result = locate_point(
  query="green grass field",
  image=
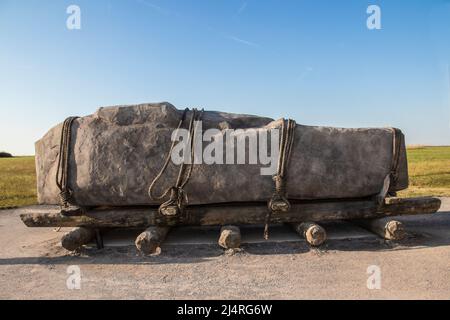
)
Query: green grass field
[
  {"x": 429, "y": 170},
  {"x": 17, "y": 182}
]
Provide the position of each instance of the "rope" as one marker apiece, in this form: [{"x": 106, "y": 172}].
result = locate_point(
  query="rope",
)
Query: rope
[
  {"x": 178, "y": 197},
  {"x": 62, "y": 171},
  {"x": 392, "y": 177},
  {"x": 395, "y": 155},
  {"x": 166, "y": 163},
  {"x": 279, "y": 202}
]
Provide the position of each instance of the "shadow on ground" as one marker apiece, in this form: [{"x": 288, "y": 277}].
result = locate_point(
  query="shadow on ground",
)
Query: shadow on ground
[{"x": 197, "y": 245}]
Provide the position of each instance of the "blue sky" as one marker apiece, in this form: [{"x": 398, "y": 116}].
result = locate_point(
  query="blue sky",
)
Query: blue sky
[{"x": 314, "y": 61}]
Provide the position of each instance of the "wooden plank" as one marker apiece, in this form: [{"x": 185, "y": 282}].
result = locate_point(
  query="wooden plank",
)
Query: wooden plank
[{"x": 232, "y": 214}]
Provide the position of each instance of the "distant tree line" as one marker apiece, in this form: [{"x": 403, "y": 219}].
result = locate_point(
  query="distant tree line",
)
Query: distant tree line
[{"x": 5, "y": 154}]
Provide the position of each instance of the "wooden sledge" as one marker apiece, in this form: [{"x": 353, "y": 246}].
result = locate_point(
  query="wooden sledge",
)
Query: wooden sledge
[{"x": 303, "y": 216}]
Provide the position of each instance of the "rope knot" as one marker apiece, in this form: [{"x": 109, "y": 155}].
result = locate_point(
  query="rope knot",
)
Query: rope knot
[
  {"x": 65, "y": 197},
  {"x": 175, "y": 205},
  {"x": 279, "y": 203}
]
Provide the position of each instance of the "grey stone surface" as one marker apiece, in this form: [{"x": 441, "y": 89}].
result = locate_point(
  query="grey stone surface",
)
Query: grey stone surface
[{"x": 117, "y": 152}]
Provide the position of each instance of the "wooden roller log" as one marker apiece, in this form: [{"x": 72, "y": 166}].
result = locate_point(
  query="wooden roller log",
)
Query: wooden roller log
[
  {"x": 233, "y": 214},
  {"x": 77, "y": 237},
  {"x": 150, "y": 240},
  {"x": 230, "y": 237},
  {"x": 314, "y": 234},
  {"x": 384, "y": 227}
]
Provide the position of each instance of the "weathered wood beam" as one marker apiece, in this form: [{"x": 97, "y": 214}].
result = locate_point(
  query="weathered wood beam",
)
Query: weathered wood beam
[
  {"x": 314, "y": 234},
  {"x": 410, "y": 206},
  {"x": 233, "y": 214},
  {"x": 77, "y": 237},
  {"x": 386, "y": 228},
  {"x": 150, "y": 240},
  {"x": 230, "y": 237}
]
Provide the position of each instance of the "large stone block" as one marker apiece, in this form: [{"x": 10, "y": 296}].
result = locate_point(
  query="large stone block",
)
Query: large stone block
[{"x": 116, "y": 153}]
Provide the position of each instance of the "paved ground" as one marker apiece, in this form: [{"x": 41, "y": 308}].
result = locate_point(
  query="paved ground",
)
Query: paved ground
[{"x": 33, "y": 265}]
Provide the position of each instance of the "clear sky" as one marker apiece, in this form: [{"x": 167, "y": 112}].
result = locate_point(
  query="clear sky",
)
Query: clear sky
[{"x": 315, "y": 61}]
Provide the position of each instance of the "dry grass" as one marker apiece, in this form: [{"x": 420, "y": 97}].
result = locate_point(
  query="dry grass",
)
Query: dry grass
[{"x": 429, "y": 170}]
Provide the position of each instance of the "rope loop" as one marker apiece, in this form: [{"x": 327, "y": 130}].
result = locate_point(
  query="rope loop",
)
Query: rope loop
[
  {"x": 391, "y": 179},
  {"x": 62, "y": 171},
  {"x": 396, "y": 145},
  {"x": 178, "y": 198},
  {"x": 279, "y": 202}
]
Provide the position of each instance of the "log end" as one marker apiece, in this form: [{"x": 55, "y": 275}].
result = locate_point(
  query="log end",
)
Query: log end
[
  {"x": 315, "y": 235},
  {"x": 145, "y": 244},
  {"x": 230, "y": 237},
  {"x": 150, "y": 240},
  {"x": 395, "y": 230},
  {"x": 76, "y": 238}
]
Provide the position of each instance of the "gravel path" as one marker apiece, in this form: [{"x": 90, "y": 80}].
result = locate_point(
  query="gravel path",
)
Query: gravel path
[{"x": 33, "y": 265}]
